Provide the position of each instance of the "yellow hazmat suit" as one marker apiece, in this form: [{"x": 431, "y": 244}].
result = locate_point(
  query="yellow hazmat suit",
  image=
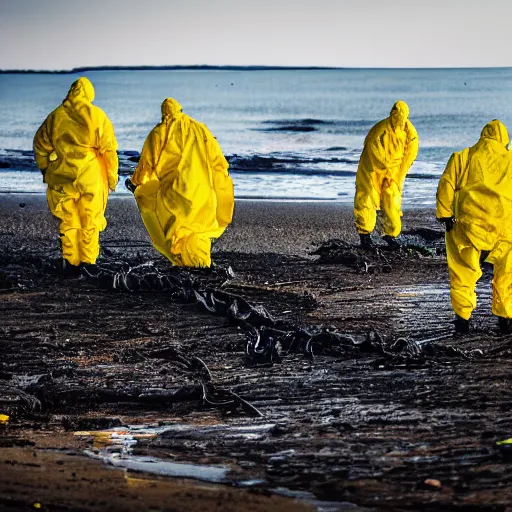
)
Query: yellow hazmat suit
[
  {"x": 389, "y": 150},
  {"x": 75, "y": 148},
  {"x": 476, "y": 191},
  {"x": 184, "y": 192}
]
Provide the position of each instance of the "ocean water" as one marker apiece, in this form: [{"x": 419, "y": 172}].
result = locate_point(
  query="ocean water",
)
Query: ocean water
[{"x": 288, "y": 134}]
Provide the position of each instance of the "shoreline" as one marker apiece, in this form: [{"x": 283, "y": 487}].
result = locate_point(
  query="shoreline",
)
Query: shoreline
[{"x": 256, "y": 199}]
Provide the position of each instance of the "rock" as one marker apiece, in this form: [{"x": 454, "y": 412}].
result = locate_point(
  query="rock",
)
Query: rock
[{"x": 432, "y": 482}]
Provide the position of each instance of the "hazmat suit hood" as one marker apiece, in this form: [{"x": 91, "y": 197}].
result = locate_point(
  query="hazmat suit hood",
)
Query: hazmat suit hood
[
  {"x": 496, "y": 130},
  {"x": 170, "y": 109},
  {"x": 401, "y": 107},
  {"x": 399, "y": 114},
  {"x": 81, "y": 89}
]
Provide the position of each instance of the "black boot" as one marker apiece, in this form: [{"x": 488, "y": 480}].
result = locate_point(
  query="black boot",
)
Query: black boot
[
  {"x": 391, "y": 241},
  {"x": 70, "y": 271},
  {"x": 505, "y": 325},
  {"x": 366, "y": 240},
  {"x": 461, "y": 325}
]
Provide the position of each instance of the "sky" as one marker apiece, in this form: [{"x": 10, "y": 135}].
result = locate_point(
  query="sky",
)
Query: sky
[{"x": 65, "y": 34}]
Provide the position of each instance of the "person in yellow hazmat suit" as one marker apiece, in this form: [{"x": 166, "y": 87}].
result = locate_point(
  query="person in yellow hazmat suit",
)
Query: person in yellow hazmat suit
[
  {"x": 474, "y": 201},
  {"x": 182, "y": 187},
  {"x": 75, "y": 149},
  {"x": 389, "y": 150}
]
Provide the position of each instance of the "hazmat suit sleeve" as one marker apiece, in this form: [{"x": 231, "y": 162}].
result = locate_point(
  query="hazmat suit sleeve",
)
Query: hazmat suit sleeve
[
  {"x": 108, "y": 148},
  {"x": 375, "y": 148},
  {"x": 43, "y": 147},
  {"x": 452, "y": 180},
  {"x": 446, "y": 190},
  {"x": 149, "y": 158},
  {"x": 410, "y": 153}
]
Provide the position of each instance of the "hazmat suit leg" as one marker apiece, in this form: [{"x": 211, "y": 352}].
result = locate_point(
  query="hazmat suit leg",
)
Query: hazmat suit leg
[
  {"x": 391, "y": 206},
  {"x": 69, "y": 244},
  {"x": 464, "y": 268},
  {"x": 501, "y": 257},
  {"x": 91, "y": 216},
  {"x": 195, "y": 251},
  {"x": 62, "y": 203},
  {"x": 365, "y": 213}
]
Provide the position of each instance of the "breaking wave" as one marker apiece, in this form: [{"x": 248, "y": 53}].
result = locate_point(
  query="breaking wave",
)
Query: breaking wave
[
  {"x": 294, "y": 164},
  {"x": 351, "y": 126}
]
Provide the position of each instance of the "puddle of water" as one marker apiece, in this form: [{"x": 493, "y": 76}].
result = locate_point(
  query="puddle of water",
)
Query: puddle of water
[
  {"x": 250, "y": 483},
  {"x": 115, "y": 447},
  {"x": 213, "y": 474}
]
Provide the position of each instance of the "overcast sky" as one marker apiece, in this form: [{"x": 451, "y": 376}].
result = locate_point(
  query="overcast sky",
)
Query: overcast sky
[{"x": 63, "y": 34}]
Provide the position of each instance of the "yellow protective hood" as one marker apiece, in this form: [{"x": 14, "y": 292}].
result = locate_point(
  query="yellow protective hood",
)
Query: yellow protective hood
[
  {"x": 170, "y": 109},
  {"x": 497, "y": 131},
  {"x": 81, "y": 89},
  {"x": 400, "y": 107}
]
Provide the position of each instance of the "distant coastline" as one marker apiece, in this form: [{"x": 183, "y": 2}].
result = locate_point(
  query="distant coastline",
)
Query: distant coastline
[{"x": 200, "y": 67}]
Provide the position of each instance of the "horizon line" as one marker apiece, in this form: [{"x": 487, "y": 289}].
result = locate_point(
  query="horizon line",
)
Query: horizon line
[{"x": 224, "y": 67}]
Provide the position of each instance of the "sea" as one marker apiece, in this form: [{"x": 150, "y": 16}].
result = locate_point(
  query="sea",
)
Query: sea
[{"x": 288, "y": 134}]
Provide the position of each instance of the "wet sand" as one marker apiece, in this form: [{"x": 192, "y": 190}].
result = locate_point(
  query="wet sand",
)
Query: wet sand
[
  {"x": 284, "y": 227},
  {"x": 384, "y": 408}
]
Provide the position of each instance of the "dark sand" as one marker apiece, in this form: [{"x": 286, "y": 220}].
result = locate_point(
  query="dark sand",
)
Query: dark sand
[
  {"x": 396, "y": 414},
  {"x": 258, "y": 226}
]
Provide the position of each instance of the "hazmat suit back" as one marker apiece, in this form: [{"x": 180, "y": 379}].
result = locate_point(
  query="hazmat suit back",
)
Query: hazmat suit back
[
  {"x": 184, "y": 192},
  {"x": 75, "y": 148},
  {"x": 389, "y": 150},
  {"x": 476, "y": 190}
]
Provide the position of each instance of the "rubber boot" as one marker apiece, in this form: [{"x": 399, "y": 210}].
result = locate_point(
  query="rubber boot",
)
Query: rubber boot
[
  {"x": 366, "y": 240},
  {"x": 461, "y": 325},
  {"x": 70, "y": 271},
  {"x": 391, "y": 241}
]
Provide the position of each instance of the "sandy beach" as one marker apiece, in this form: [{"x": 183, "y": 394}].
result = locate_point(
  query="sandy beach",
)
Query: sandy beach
[{"x": 327, "y": 381}]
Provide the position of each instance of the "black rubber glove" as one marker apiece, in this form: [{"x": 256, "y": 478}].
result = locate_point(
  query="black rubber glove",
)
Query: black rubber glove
[
  {"x": 128, "y": 183},
  {"x": 448, "y": 222}
]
